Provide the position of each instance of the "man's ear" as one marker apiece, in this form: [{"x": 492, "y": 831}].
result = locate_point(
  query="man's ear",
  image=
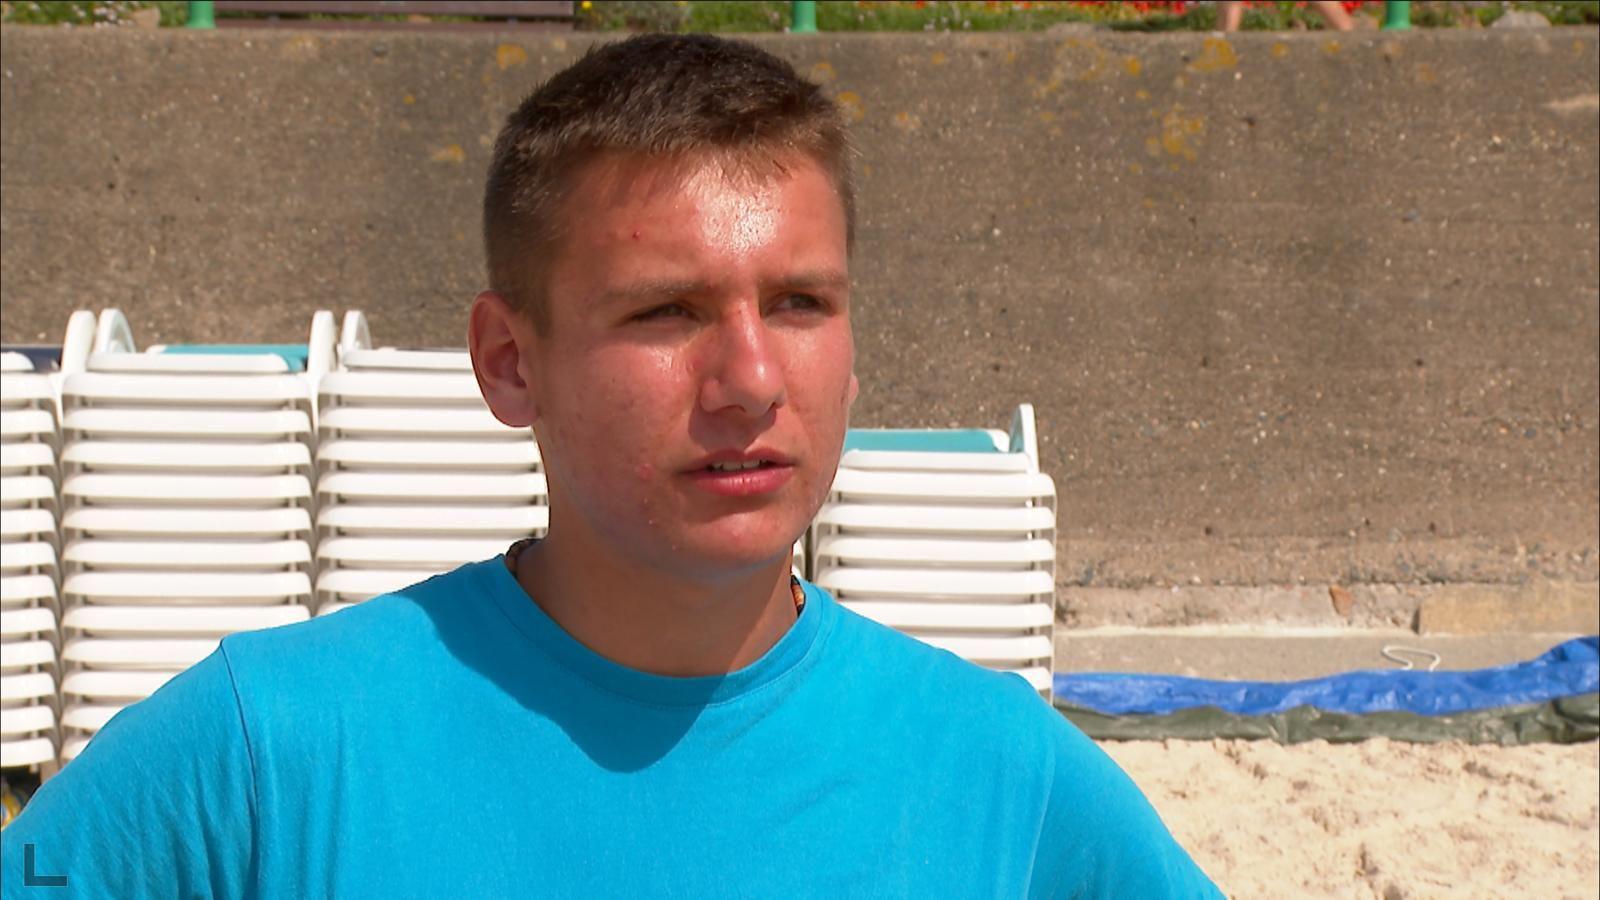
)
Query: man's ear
[{"x": 497, "y": 337}]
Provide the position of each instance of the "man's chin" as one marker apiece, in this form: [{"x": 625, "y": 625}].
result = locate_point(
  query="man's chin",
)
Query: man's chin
[{"x": 729, "y": 555}]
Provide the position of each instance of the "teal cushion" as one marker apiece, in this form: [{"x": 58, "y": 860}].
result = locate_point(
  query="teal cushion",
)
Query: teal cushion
[
  {"x": 914, "y": 440},
  {"x": 293, "y": 354}
]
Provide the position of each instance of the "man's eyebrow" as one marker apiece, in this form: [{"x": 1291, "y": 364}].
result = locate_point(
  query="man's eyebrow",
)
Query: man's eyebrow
[
  {"x": 651, "y": 289},
  {"x": 815, "y": 279}
]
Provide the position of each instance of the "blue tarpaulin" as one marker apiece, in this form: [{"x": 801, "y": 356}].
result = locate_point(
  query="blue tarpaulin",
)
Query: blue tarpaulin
[{"x": 1566, "y": 670}]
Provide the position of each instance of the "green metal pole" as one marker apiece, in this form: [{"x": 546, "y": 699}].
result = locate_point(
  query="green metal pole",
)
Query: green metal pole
[
  {"x": 201, "y": 14},
  {"x": 1396, "y": 15},
  {"x": 803, "y": 17}
]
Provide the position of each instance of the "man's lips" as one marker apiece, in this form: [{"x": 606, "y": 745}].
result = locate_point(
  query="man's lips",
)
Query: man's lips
[
  {"x": 728, "y": 459},
  {"x": 742, "y": 473}
]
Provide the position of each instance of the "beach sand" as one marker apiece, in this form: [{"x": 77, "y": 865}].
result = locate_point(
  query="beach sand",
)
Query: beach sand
[{"x": 1380, "y": 818}]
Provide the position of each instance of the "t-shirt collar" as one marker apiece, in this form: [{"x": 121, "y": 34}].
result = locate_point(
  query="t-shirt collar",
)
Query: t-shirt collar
[{"x": 780, "y": 661}]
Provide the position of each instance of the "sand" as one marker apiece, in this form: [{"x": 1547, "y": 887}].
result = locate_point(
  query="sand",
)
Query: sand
[{"x": 1379, "y": 818}]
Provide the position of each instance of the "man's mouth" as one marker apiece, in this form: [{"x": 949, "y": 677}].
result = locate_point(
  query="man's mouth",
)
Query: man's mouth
[
  {"x": 740, "y": 466},
  {"x": 746, "y": 473}
]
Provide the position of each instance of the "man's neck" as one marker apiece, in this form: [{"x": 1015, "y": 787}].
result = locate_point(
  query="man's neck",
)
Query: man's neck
[{"x": 655, "y": 621}]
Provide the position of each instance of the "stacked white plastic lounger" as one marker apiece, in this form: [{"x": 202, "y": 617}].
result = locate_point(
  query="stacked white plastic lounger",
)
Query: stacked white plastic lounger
[
  {"x": 415, "y": 475},
  {"x": 29, "y": 563},
  {"x": 187, "y": 492},
  {"x": 953, "y": 546}
]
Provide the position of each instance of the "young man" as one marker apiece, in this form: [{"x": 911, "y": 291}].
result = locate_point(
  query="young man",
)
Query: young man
[{"x": 643, "y": 703}]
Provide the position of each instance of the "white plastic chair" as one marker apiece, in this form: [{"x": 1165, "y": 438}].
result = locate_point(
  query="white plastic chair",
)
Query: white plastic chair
[
  {"x": 407, "y": 389},
  {"x": 21, "y": 591},
  {"x": 88, "y": 718},
  {"x": 909, "y": 461},
  {"x": 951, "y": 488},
  {"x": 189, "y": 588},
  {"x": 915, "y": 584},
  {"x": 121, "y": 390},
  {"x": 32, "y": 686},
  {"x": 187, "y": 363},
  {"x": 196, "y": 555},
  {"x": 198, "y": 457},
  {"x": 27, "y": 753},
  {"x": 26, "y": 720},
  {"x": 92, "y": 697},
  {"x": 27, "y": 710},
  {"x": 346, "y": 454},
  {"x": 28, "y": 558},
  {"x": 266, "y": 524},
  {"x": 28, "y": 525},
  {"x": 189, "y": 491},
  {"x": 425, "y": 554},
  {"x": 955, "y": 617},
  {"x": 350, "y": 586},
  {"x": 18, "y": 623},
  {"x": 464, "y": 423},
  {"x": 18, "y": 425},
  {"x": 939, "y": 553},
  {"x": 503, "y": 523},
  {"x": 916, "y": 520},
  {"x": 144, "y": 424},
  {"x": 389, "y": 358},
  {"x": 192, "y": 621},
  {"x": 114, "y": 685},
  {"x": 24, "y": 654},
  {"x": 137, "y": 655},
  {"x": 1009, "y": 651},
  {"x": 27, "y": 491},
  {"x": 954, "y": 545},
  {"x": 27, "y": 458},
  {"x": 494, "y": 488}
]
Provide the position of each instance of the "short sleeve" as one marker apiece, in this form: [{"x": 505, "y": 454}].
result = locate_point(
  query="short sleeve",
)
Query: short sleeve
[
  {"x": 160, "y": 804},
  {"x": 1101, "y": 837}
]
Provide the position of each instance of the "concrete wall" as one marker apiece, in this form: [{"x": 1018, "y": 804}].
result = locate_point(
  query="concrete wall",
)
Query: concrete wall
[{"x": 1296, "y": 312}]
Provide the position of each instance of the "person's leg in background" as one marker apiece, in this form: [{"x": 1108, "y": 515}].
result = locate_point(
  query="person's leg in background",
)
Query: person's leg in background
[
  {"x": 1333, "y": 13},
  {"x": 1231, "y": 12}
]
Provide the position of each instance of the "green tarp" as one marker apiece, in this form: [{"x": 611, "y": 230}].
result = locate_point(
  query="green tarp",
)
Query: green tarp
[{"x": 1564, "y": 721}]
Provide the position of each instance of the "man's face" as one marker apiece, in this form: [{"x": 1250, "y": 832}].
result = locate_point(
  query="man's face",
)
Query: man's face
[{"x": 692, "y": 392}]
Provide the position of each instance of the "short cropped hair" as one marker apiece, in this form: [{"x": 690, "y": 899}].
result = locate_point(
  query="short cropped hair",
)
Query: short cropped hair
[{"x": 673, "y": 97}]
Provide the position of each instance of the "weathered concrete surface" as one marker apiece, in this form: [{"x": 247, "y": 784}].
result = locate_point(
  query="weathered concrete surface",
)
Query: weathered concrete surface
[
  {"x": 1290, "y": 606},
  {"x": 1491, "y": 609},
  {"x": 1294, "y": 310},
  {"x": 1536, "y": 605}
]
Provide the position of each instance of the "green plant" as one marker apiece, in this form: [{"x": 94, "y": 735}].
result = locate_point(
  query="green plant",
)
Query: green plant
[
  {"x": 98, "y": 14},
  {"x": 1262, "y": 15},
  {"x": 1559, "y": 12},
  {"x": 1437, "y": 14},
  {"x": 956, "y": 16},
  {"x": 636, "y": 15},
  {"x": 716, "y": 15}
]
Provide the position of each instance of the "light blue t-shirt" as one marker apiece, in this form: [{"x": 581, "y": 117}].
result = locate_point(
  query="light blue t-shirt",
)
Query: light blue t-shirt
[{"x": 451, "y": 740}]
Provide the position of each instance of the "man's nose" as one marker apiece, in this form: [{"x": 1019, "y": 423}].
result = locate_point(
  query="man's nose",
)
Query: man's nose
[{"x": 743, "y": 372}]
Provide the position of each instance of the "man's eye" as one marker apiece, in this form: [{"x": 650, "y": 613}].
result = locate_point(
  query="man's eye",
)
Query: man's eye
[
  {"x": 799, "y": 302},
  {"x": 665, "y": 311}
]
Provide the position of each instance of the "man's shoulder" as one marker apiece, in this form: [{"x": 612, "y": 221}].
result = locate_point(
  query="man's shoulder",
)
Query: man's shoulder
[
  {"x": 992, "y": 728},
  {"x": 919, "y": 672},
  {"x": 389, "y": 630}
]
